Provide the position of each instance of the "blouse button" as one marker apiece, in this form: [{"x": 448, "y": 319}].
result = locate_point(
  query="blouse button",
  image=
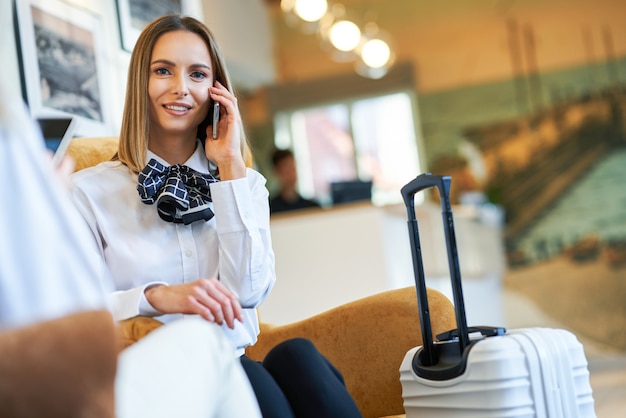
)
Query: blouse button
[{"x": 188, "y": 253}]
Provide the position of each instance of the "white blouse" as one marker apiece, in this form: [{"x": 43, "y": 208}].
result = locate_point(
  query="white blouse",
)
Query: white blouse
[{"x": 141, "y": 249}]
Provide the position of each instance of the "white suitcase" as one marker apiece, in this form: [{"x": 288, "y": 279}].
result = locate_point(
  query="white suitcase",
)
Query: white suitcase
[
  {"x": 486, "y": 372},
  {"x": 533, "y": 372}
]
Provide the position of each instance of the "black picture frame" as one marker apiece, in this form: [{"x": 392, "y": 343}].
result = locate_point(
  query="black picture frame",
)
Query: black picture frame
[
  {"x": 60, "y": 48},
  {"x": 134, "y": 15}
]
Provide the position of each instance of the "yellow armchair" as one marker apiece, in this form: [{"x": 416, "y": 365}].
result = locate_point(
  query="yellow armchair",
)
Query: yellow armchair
[{"x": 366, "y": 340}]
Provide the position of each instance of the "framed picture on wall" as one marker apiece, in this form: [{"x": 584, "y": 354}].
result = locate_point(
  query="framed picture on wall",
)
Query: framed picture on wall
[
  {"x": 61, "y": 63},
  {"x": 134, "y": 15}
]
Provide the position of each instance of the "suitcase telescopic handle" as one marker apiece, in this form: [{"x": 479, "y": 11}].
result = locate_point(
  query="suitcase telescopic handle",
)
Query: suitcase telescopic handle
[{"x": 442, "y": 183}]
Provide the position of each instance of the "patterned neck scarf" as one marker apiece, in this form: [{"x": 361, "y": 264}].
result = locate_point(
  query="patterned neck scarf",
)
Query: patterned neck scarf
[{"x": 181, "y": 194}]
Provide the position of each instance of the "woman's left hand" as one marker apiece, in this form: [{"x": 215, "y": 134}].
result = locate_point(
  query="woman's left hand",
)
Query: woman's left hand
[{"x": 225, "y": 151}]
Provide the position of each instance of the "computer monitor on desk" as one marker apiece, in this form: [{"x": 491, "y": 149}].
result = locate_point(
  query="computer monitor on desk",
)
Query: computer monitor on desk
[{"x": 350, "y": 191}]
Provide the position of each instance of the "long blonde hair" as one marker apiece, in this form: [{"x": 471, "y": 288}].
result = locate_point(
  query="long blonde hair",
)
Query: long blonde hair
[{"x": 135, "y": 131}]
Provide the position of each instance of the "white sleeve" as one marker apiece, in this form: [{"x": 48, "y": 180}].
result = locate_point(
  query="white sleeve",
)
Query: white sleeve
[
  {"x": 50, "y": 266},
  {"x": 245, "y": 246},
  {"x": 126, "y": 304}
]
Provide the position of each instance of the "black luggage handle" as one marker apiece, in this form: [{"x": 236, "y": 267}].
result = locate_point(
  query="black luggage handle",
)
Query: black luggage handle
[
  {"x": 485, "y": 331},
  {"x": 429, "y": 356}
]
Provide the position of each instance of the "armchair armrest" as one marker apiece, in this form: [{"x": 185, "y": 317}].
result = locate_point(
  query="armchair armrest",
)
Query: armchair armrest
[
  {"x": 132, "y": 330},
  {"x": 366, "y": 340}
]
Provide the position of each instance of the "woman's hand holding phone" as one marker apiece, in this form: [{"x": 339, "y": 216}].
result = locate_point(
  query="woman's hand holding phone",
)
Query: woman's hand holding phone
[{"x": 225, "y": 149}]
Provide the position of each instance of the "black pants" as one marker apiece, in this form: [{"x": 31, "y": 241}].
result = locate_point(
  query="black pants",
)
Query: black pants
[{"x": 295, "y": 380}]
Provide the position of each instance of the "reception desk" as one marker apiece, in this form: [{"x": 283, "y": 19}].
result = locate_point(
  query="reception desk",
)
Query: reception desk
[{"x": 327, "y": 257}]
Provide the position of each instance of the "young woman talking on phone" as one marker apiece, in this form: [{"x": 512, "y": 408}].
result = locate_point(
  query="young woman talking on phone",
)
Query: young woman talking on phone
[{"x": 182, "y": 220}]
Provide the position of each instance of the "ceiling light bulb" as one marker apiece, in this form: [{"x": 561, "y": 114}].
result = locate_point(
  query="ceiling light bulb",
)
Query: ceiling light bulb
[
  {"x": 287, "y": 5},
  {"x": 311, "y": 10},
  {"x": 345, "y": 35},
  {"x": 376, "y": 53}
]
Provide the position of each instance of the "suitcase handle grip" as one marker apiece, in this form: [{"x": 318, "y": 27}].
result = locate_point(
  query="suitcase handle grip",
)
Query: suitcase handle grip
[
  {"x": 442, "y": 183},
  {"x": 423, "y": 182}
]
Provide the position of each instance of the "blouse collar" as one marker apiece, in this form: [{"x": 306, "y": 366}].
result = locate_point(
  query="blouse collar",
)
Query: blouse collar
[{"x": 197, "y": 161}]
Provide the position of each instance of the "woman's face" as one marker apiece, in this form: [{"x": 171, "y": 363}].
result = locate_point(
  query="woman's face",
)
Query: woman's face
[{"x": 178, "y": 86}]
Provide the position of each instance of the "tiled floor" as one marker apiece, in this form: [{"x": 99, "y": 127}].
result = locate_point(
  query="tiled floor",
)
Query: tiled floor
[{"x": 607, "y": 367}]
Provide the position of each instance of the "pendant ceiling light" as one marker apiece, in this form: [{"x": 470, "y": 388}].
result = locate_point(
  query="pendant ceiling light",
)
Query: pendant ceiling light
[
  {"x": 375, "y": 55},
  {"x": 345, "y": 35},
  {"x": 342, "y": 35},
  {"x": 311, "y": 10},
  {"x": 305, "y": 14}
]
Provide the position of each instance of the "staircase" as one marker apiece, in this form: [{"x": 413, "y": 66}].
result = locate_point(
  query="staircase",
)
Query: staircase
[{"x": 537, "y": 188}]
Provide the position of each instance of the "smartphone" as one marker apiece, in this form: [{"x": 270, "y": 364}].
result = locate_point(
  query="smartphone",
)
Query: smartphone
[{"x": 216, "y": 118}]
